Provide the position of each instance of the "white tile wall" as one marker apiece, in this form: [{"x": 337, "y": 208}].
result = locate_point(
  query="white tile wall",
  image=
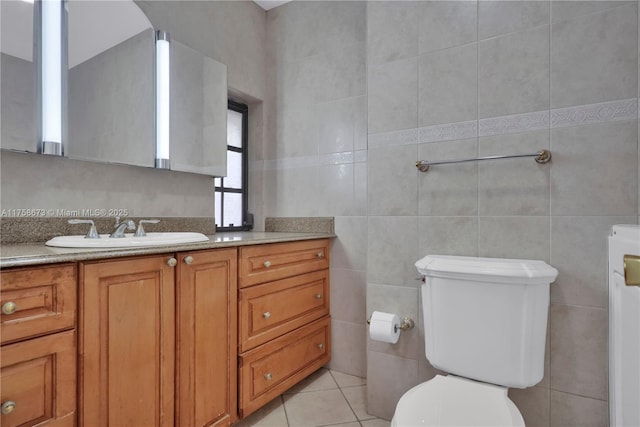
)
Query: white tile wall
[{"x": 460, "y": 79}]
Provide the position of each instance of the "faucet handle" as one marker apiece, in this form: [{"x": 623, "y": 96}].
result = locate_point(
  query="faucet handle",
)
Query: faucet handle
[
  {"x": 92, "y": 233},
  {"x": 140, "y": 231}
]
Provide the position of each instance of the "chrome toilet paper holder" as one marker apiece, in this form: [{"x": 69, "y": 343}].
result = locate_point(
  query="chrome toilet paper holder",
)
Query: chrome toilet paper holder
[{"x": 405, "y": 324}]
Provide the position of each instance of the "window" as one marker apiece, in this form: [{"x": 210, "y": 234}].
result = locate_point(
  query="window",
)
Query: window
[{"x": 231, "y": 195}]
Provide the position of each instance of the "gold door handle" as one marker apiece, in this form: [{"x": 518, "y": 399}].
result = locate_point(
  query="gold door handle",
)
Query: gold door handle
[
  {"x": 267, "y": 376},
  {"x": 632, "y": 270},
  {"x": 188, "y": 260},
  {"x": 9, "y": 307},
  {"x": 267, "y": 264},
  {"x": 318, "y": 296},
  {"x": 8, "y": 407}
]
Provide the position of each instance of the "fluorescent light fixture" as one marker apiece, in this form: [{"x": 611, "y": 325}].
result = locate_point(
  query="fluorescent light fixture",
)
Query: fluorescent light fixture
[
  {"x": 52, "y": 54},
  {"x": 162, "y": 99}
]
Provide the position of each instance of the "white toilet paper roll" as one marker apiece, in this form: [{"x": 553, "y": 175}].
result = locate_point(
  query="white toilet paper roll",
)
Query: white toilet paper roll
[{"x": 384, "y": 327}]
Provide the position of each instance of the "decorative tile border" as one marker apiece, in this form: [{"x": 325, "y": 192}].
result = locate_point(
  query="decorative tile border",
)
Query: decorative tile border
[
  {"x": 626, "y": 109},
  {"x": 513, "y": 124},
  {"x": 613, "y": 111}
]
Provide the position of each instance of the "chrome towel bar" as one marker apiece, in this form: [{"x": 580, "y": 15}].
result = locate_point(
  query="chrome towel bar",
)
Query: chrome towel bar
[{"x": 542, "y": 156}]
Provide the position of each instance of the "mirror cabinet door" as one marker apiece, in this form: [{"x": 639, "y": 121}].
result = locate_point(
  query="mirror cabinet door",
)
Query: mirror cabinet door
[
  {"x": 198, "y": 129},
  {"x": 110, "y": 83},
  {"x": 17, "y": 77}
]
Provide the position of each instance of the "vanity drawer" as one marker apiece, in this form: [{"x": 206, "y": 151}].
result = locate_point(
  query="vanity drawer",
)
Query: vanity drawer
[
  {"x": 273, "y": 309},
  {"x": 265, "y": 263},
  {"x": 39, "y": 376},
  {"x": 269, "y": 370},
  {"x": 37, "y": 301}
]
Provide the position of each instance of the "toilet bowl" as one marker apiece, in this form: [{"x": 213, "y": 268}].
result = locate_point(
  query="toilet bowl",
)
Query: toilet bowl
[
  {"x": 454, "y": 401},
  {"x": 485, "y": 323}
]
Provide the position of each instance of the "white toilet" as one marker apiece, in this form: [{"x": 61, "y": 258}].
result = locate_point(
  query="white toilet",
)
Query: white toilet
[{"x": 485, "y": 323}]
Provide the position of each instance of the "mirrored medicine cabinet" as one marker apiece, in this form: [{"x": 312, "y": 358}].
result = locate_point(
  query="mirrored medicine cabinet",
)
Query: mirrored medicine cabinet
[{"x": 110, "y": 89}]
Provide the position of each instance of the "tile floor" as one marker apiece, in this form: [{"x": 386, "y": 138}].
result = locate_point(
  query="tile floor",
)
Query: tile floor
[{"x": 326, "y": 398}]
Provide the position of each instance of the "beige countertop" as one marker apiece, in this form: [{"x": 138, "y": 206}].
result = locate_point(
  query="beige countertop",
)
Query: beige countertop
[{"x": 22, "y": 254}]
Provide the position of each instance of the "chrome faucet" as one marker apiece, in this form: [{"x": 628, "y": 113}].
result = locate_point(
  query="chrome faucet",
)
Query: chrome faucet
[{"x": 121, "y": 226}]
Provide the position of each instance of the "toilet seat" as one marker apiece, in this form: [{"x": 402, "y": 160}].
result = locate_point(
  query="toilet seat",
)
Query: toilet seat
[{"x": 454, "y": 401}]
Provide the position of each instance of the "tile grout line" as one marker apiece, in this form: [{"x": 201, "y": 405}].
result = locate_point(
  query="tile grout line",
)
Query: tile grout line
[
  {"x": 345, "y": 398},
  {"x": 284, "y": 408}
]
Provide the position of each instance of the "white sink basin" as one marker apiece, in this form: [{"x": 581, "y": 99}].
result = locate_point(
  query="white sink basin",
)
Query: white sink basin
[{"x": 129, "y": 241}]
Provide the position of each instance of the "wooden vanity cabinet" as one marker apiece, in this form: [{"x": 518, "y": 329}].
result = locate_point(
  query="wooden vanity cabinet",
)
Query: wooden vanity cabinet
[
  {"x": 284, "y": 323},
  {"x": 157, "y": 344},
  {"x": 38, "y": 353},
  {"x": 158, "y": 336}
]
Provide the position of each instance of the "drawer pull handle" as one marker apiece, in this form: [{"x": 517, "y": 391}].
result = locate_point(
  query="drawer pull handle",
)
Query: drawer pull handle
[
  {"x": 320, "y": 254},
  {"x": 8, "y": 407},
  {"x": 188, "y": 260},
  {"x": 320, "y": 346},
  {"x": 266, "y": 315},
  {"x": 267, "y": 376},
  {"x": 9, "y": 307},
  {"x": 318, "y": 296},
  {"x": 267, "y": 264},
  {"x": 172, "y": 262}
]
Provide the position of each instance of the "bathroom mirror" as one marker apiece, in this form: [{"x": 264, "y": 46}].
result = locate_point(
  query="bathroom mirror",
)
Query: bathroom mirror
[
  {"x": 110, "y": 83},
  {"x": 17, "y": 77},
  {"x": 110, "y": 89}
]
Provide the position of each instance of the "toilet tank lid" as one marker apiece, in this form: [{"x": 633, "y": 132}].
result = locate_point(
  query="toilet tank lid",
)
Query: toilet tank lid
[{"x": 503, "y": 270}]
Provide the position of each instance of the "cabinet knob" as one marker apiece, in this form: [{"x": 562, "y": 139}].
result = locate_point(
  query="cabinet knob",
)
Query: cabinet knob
[
  {"x": 267, "y": 264},
  {"x": 8, "y": 407},
  {"x": 320, "y": 254},
  {"x": 266, "y": 314},
  {"x": 318, "y": 296},
  {"x": 172, "y": 262},
  {"x": 188, "y": 260},
  {"x": 9, "y": 307},
  {"x": 320, "y": 346},
  {"x": 267, "y": 376}
]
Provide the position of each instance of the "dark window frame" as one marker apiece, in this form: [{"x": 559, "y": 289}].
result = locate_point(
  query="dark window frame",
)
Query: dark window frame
[{"x": 244, "y": 190}]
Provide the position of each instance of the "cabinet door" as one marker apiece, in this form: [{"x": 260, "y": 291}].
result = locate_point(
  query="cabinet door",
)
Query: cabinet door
[
  {"x": 206, "y": 338},
  {"x": 39, "y": 381},
  {"x": 127, "y": 342}
]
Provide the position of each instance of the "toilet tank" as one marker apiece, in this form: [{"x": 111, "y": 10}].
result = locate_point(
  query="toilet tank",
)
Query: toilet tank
[{"x": 486, "y": 318}]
